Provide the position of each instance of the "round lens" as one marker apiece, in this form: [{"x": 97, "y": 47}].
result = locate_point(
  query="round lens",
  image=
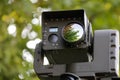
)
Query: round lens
[
  {"x": 73, "y": 32},
  {"x": 53, "y": 38}
]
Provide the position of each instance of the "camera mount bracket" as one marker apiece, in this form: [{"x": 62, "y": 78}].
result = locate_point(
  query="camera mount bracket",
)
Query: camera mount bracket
[{"x": 104, "y": 66}]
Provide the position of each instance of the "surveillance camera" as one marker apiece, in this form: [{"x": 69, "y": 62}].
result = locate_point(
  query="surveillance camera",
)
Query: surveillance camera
[
  {"x": 65, "y": 33},
  {"x": 75, "y": 52}
]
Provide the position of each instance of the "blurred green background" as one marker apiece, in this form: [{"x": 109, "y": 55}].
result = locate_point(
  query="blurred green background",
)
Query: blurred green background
[{"x": 20, "y": 29}]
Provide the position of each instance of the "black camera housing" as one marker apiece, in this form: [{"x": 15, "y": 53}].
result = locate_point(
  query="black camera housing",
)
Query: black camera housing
[{"x": 54, "y": 43}]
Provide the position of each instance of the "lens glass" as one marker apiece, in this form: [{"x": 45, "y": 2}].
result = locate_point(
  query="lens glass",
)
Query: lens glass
[{"x": 73, "y": 32}]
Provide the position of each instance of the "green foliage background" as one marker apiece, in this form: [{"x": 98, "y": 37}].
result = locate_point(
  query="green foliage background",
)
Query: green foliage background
[{"x": 103, "y": 14}]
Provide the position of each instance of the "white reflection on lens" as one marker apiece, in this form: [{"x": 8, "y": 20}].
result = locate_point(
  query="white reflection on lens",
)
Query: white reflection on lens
[{"x": 77, "y": 27}]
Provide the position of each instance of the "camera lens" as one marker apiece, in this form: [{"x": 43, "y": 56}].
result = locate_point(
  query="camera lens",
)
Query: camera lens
[
  {"x": 72, "y": 32},
  {"x": 53, "y": 38}
]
